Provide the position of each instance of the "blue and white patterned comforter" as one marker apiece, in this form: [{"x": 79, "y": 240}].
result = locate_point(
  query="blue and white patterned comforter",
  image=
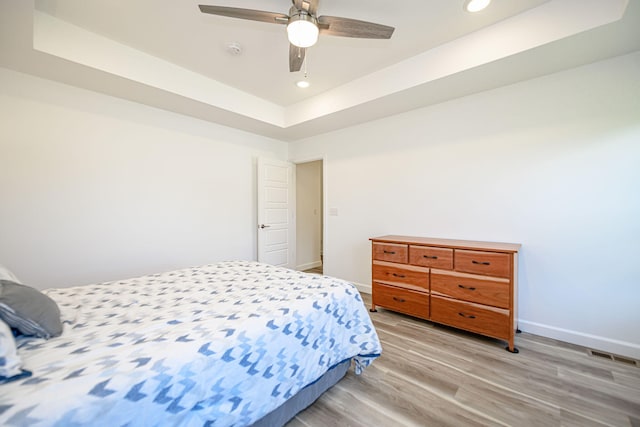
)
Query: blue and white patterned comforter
[{"x": 218, "y": 345}]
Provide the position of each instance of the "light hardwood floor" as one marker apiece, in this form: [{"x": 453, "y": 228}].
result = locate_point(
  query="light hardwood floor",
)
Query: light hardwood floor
[
  {"x": 431, "y": 375},
  {"x": 317, "y": 270}
]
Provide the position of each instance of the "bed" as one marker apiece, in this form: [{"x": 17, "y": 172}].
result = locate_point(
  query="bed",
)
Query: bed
[{"x": 226, "y": 344}]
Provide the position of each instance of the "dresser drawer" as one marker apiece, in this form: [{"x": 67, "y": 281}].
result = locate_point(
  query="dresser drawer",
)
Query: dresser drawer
[
  {"x": 492, "y": 291},
  {"x": 402, "y": 300},
  {"x": 429, "y": 256},
  {"x": 490, "y": 263},
  {"x": 408, "y": 275},
  {"x": 392, "y": 252},
  {"x": 485, "y": 320}
]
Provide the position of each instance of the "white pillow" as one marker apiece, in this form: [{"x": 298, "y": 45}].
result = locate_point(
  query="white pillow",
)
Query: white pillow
[
  {"x": 10, "y": 363},
  {"x": 5, "y": 274}
]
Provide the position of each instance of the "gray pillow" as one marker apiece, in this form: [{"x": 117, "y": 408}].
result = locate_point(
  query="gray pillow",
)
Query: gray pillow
[{"x": 28, "y": 310}]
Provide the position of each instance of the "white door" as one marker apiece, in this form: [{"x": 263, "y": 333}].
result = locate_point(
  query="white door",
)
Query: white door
[{"x": 276, "y": 213}]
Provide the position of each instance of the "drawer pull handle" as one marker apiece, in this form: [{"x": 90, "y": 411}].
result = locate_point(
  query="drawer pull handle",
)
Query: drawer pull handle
[
  {"x": 399, "y": 299},
  {"x": 467, "y": 316},
  {"x": 480, "y": 262},
  {"x": 469, "y": 288},
  {"x": 398, "y": 275},
  {"x": 390, "y": 252},
  {"x": 429, "y": 257}
]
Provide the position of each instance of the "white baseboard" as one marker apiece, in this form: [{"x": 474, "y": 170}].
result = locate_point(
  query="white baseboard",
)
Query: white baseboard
[
  {"x": 620, "y": 348},
  {"x": 616, "y": 347},
  {"x": 309, "y": 265}
]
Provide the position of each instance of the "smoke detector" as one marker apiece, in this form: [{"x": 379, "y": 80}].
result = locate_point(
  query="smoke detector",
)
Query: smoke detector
[{"x": 234, "y": 49}]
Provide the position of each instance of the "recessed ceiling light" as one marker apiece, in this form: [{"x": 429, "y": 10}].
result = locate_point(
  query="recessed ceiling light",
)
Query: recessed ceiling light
[
  {"x": 475, "y": 5},
  {"x": 303, "y": 84}
]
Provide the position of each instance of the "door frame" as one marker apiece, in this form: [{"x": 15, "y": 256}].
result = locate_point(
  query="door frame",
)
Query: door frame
[{"x": 307, "y": 159}]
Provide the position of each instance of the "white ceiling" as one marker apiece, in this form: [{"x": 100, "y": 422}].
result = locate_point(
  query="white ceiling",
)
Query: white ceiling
[
  {"x": 178, "y": 32},
  {"x": 167, "y": 54}
]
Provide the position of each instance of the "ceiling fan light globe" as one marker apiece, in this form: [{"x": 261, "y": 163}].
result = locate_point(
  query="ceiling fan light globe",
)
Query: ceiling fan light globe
[
  {"x": 475, "y": 5},
  {"x": 302, "y": 31}
]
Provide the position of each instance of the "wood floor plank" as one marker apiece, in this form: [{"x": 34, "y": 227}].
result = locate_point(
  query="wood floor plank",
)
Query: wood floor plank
[
  {"x": 434, "y": 375},
  {"x": 630, "y": 381},
  {"x": 407, "y": 401},
  {"x": 616, "y": 396}
]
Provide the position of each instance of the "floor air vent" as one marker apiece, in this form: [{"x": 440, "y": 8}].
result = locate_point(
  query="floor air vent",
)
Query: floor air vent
[{"x": 621, "y": 359}]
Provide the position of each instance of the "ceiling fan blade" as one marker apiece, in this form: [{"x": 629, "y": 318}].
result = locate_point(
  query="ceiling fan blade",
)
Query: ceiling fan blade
[
  {"x": 345, "y": 27},
  {"x": 252, "y": 15},
  {"x": 311, "y": 6},
  {"x": 296, "y": 57}
]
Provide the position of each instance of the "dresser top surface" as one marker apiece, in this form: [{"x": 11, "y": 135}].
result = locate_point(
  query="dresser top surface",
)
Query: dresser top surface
[{"x": 449, "y": 243}]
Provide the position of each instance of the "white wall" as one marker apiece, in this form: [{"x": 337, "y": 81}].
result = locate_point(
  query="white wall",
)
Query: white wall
[
  {"x": 551, "y": 163},
  {"x": 308, "y": 214},
  {"x": 95, "y": 188}
]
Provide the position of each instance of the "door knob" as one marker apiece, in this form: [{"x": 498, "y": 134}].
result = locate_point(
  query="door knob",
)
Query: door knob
[{"x": 264, "y": 226}]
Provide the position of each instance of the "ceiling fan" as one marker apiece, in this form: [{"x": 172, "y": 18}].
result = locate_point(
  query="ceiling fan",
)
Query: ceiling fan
[{"x": 304, "y": 26}]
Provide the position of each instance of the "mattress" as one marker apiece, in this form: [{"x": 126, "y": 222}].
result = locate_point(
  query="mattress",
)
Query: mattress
[{"x": 218, "y": 345}]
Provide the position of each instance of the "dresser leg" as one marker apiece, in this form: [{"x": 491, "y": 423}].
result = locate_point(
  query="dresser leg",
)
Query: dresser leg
[
  {"x": 373, "y": 309},
  {"x": 514, "y": 351}
]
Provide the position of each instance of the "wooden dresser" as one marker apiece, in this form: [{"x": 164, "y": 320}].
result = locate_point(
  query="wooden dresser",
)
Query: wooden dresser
[{"x": 466, "y": 284}]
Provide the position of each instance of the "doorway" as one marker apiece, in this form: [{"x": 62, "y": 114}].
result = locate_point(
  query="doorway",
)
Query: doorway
[{"x": 310, "y": 216}]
